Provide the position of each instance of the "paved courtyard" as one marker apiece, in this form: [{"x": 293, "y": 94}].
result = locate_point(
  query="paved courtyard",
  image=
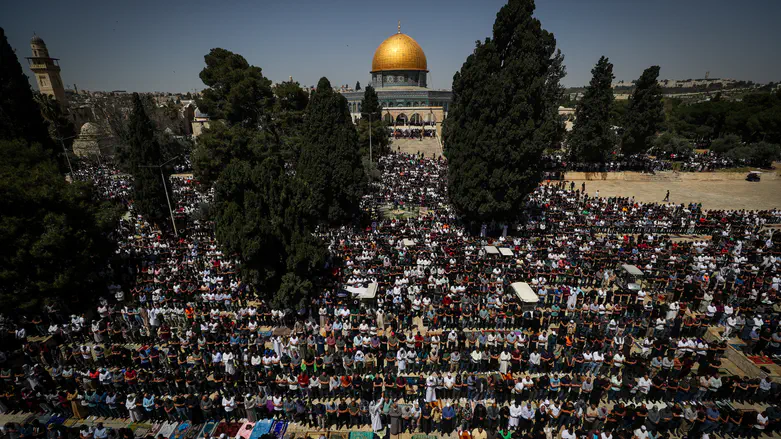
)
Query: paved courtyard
[{"x": 735, "y": 194}]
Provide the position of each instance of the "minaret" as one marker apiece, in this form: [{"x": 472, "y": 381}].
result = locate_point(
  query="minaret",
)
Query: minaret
[{"x": 46, "y": 70}]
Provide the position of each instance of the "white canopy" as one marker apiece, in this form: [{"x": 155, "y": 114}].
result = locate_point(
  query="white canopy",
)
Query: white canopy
[
  {"x": 631, "y": 269},
  {"x": 525, "y": 292},
  {"x": 369, "y": 292},
  {"x": 505, "y": 251},
  {"x": 408, "y": 242},
  {"x": 491, "y": 250}
]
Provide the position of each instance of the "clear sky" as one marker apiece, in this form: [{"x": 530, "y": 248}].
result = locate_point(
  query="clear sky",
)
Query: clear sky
[{"x": 159, "y": 45}]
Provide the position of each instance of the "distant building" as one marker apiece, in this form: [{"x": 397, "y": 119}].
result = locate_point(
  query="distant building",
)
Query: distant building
[
  {"x": 47, "y": 71},
  {"x": 91, "y": 142},
  {"x": 399, "y": 76},
  {"x": 199, "y": 122}
]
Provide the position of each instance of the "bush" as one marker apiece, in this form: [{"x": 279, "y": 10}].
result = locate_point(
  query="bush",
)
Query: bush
[
  {"x": 759, "y": 154},
  {"x": 668, "y": 144},
  {"x": 725, "y": 144}
]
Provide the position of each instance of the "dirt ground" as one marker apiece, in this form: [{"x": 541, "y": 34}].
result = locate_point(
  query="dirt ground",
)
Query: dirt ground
[{"x": 765, "y": 194}]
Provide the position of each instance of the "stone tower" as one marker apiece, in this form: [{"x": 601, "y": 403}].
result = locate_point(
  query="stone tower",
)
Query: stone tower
[{"x": 46, "y": 70}]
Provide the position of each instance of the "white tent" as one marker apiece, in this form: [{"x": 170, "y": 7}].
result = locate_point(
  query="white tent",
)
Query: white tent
[
  {"x": 408, "y": 242},
  {"x": 505, "y": 251},
  {"x": 525, "y": 292},
  {"x": 369, "y": 292},
  {"x": 632, "y": 269},
  {"x": 491, "y": 250}
]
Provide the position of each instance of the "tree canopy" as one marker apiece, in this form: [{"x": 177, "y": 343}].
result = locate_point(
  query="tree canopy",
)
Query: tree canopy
[
  {"x": 371, "y": 111},
  {"x": 755, "y": 118},
  {"x": 20, "y": 115},
  {"x": 668, "y": 145},
  {"x": 592, "y": 138},
  {"x": 53, "y": 236},
  {"x": 289, "y": 108},
  {"x": 330, "y": 161},
  {"x": 503, "y": 115},
  {"x": 144, "y": 155},
  {"x": 236, "y": 91},
  {"x": 644, "y": 116},
  {"x": 265, "y": 211}
]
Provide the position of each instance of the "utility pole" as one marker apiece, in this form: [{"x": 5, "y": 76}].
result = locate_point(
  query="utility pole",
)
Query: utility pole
[
  {"x": 65, "y": 151},
  {"x": 165, "y": 188},
  {"x": 370, "y": 139}
]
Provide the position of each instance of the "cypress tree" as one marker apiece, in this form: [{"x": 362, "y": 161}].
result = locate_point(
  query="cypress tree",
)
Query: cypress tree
[
  {"x": 503, "y": 115},
  {"x": 592, "y": 138},
  {"x": 330, "y": 160},
  {"x": 645, "y": 113},
  {"x": 370, "y": 103},
  {"x": 20, "y": 116},
  {"x": 371, "y": 110},
  {"x": 144, "y": 155}
]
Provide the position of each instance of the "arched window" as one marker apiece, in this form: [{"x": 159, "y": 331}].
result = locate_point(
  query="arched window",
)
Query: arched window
[
  {"x": 415, "y": 119},
  {"x": 401, "y": 119},
  {"x": 388, "y": 119}
]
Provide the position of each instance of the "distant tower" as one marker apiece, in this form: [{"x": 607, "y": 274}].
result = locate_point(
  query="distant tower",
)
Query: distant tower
[
  {"x": 707, "y": 75},
  {"x": 46, "y": 70}
]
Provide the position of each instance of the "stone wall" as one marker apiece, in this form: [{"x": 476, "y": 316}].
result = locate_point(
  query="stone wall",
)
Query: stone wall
[{"x": 665, "y": 176}]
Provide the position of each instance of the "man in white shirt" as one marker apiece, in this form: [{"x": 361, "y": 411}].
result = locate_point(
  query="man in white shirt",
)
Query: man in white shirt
[
  {"x": 641, "y": 433},
  {"x": 643, "y": 387}
]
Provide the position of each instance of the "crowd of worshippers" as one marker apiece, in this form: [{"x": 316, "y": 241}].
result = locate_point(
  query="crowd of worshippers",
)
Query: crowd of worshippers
[
  {"x": 409, "y": 180},
  {"x": 710, "y": 161},
  {"x": 445, "y": 345},
  {"x": 617, "y": 163},
  {"x": 410, "y": 133}
]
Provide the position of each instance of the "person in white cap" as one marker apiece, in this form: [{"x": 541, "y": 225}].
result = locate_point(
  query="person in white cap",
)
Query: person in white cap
[{"x": 641, "y": 433}]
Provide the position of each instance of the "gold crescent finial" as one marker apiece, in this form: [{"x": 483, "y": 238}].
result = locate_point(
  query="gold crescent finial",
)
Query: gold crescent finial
[{"x": 399, "y": 26}]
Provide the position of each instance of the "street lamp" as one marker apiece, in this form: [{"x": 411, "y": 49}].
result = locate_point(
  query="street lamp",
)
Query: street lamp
[{"x": 165, "y": 187}]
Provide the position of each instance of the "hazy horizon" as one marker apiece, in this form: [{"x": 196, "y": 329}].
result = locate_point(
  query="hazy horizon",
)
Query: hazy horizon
[{"x": 159, "y": 46}]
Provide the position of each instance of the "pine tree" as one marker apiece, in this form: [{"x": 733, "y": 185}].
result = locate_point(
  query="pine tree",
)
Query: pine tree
[
  {"x": 144, "y": 157},
  {"x": 645, "y": 114},
  {"x": 371, "y": 111},
  {"x": 263, "y": 211},
  {"x": 592, "y": 138},
  {"x": 503, "y": 115},
  {"x": 20, "y": 116},
  {"x": 358, "y": 86},
  {"x": 370, "y": 105},
  {"x": 330, "y": 160}
]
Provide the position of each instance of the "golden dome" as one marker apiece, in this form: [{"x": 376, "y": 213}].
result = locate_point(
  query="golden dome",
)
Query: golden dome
[{"x": 399, "y": 52}]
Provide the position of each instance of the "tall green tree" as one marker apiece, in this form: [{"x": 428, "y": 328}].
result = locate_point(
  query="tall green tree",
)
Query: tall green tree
[
  {"x": 263, "y": 211},
  {"x": 20, "y": 116},
  {"x": 592, "y": 138},
  {"x": 264, "y": 214},
  {"x": 241, "y": 103},
  {"x": 371, "y": 111},
  {"x": 61, "y": 128},
  {"x": 236, "y": 91},
  {"x": 645, "y": 114},
  {"x": 503, "y": 115},
  {"x": 289, "y": 109},
  {"x": 370, "y": 104},
  {"x": 53, "y": 235},
  {"x": 144, "y": 158},
  {"x": 358, "y": 86},
  {"x": 330, "y": 160}
]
